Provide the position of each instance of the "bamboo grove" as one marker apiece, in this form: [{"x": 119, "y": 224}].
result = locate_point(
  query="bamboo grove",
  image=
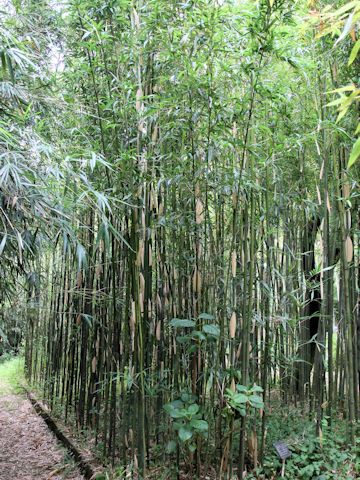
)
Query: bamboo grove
[{"x": 195, "y": 250}]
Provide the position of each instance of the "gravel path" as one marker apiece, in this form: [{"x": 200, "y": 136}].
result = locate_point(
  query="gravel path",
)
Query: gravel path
[{"x": 28, "y": 450}]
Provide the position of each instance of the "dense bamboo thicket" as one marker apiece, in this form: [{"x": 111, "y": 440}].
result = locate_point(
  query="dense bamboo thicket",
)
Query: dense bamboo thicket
[{"x": 180, "y": 226}]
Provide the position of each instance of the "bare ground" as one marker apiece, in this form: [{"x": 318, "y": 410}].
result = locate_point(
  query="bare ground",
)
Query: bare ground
[{"x": 28, "y": 450}]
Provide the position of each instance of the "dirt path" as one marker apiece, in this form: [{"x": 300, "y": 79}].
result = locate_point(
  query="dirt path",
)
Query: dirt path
[{"x": 28, "y": 450}]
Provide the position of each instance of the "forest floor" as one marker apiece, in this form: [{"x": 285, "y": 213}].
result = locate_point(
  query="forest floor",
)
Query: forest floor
[{"x": 28, "y": 450}]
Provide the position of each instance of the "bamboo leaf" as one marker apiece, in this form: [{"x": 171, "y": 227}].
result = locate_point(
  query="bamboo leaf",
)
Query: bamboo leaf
[
  {"x": 355, "y": 153},
  {"x": 348, "y": 6},
  {"x": 347, "y": 27},
  {"x": 347, "y": 88},
  {"x": 354, "y": 52},
  {"x": 342, "y": 113}
]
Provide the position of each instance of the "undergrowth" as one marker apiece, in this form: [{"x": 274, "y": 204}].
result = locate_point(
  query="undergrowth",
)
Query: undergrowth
[
  {"x": 313, "y": 457},
  {"x": 323, "y": 456},
  {"x": 327, "y": 456},
  {"x": 11, "y": 375}
]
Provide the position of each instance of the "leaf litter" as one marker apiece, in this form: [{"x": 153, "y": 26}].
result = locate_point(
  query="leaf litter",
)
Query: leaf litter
[{"x": 28, "y": 450}]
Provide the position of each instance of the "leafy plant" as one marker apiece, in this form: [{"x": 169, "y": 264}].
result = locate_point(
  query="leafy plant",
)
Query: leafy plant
[
  {"x": 188, "y": 421},
  {"x": 243, "y": 399},
  {"x": 209, "y": 332}
]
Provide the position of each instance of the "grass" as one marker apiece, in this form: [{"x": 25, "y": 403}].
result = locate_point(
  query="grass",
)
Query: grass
[{"x": 11, "y": 376}]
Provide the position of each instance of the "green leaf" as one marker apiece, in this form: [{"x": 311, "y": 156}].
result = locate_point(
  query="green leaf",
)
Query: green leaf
[
  {"x": 240, "y": 398},
  {"x": 211, "y": 330},
  {"x": 193, "y": 409},
  {"x": 175, "y": 405},
  {"x": 336, "y": 102},
  {"x": 347, "y": 88},
  {"x": 342, "y": 113},
  {"x": 241, "y": 388},
  {"x": 229, "y": 393},
  {"x": 348, "y": 6},
  {"x": 175, "y": 413},
  {"x": 182, "y": 323},
  {"x": 199, "y": 335},
  {"x": 256, "y": 401},
  {"x": 185, "y": 434},
  {"x": 354, "y": 52},
  {"x": 355, "y": 153},
  {"x": 201, "y": 425}
]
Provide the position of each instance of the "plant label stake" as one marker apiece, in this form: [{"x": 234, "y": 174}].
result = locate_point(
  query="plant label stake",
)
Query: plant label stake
[{"x": 283, "y": 451}]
